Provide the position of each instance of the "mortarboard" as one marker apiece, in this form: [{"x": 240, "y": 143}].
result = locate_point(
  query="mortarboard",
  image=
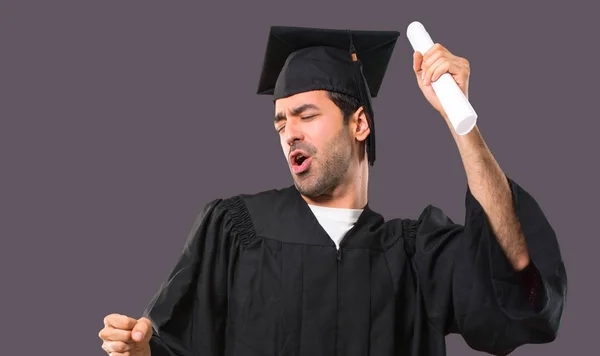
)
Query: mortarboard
[{"x": 351, "y": 62}]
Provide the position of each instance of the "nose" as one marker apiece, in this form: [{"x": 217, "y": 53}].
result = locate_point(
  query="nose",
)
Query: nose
[{"x": 293, "y": 132}]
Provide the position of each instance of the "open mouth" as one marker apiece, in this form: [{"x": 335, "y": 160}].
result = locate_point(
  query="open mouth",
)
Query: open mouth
[{"x": 300, "y": 161}]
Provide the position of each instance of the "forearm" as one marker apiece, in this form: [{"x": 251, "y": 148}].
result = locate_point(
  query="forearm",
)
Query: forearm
[{"x": 488, "y": 184}]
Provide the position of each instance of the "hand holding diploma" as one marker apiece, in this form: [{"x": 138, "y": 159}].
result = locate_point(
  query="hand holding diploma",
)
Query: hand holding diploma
[{"x": 443, "y": 78}]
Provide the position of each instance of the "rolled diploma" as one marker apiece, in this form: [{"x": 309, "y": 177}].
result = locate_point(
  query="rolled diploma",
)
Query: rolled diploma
[{"x": 460, "y": 113}]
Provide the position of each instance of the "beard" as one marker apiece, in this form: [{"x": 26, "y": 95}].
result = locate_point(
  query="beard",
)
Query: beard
[{"x": 329, "y": 169}]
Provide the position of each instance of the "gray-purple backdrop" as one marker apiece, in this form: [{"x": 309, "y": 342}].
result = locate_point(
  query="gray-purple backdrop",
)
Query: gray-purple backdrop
[{"x": 121, "y": 119}]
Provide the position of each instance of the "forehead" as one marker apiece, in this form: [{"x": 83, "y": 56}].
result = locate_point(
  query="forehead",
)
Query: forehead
[{"x": 318, "y": 98}]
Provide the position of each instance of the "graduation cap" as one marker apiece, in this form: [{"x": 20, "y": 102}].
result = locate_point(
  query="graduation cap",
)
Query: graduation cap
[{"x": 351, "y": 62}]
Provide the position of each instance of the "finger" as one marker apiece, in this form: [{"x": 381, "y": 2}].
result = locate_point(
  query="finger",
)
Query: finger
[
  {"x": 442, "y": 68},
  {"x": 431, "y": 69},
  {"x": 417, "y": 61},
  {"x": 433, "y": 50},
  {"x": 116, "y": 346},
  {"x": 118, "y": 321},
  {"x": 112, "y": 334},
  {"x": 120, "y": 353},
  {"x": 427, "y": 63},
  {"x": 455, "y": 66},
  {"x": 142, "y": 330}
]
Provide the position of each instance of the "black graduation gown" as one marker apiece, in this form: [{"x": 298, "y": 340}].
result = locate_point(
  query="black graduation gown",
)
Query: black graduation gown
[{"x": 260, "y": 276}]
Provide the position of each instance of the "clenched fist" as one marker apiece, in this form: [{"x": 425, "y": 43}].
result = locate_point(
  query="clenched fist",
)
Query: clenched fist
[{"x": 125, "y": 336}]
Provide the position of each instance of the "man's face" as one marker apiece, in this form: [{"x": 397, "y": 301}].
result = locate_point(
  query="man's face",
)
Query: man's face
[{"x": 318, "y": 146}]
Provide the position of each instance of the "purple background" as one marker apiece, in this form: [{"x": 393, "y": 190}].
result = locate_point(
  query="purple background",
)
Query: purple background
[{"x": 121, "y": 119}]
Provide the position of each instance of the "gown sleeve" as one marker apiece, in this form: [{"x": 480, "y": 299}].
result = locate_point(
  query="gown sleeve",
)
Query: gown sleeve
[
  {"x": 470, "y": 288},
  {"x": 189, "y": 310}
]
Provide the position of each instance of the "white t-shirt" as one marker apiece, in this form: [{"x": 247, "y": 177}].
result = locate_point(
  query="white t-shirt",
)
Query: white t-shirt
[{"x": 336, "y": 221}]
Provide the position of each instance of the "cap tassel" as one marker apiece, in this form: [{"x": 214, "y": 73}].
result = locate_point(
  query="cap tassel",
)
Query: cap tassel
[{"x": 365, "y": 99}]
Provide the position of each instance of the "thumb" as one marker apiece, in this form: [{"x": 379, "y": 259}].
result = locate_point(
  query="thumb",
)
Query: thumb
[
  {"x": 417, "y": 61},
  {"x": 142, "y": 330}
]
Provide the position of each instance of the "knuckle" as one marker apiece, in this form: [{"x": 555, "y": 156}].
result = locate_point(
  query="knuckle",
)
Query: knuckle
[
  {"x": 110, "y": 317},
  {"x": 117, "y": 346},
  {"x": 106, "y": 346},
  {"x": 122, "y": 347}
]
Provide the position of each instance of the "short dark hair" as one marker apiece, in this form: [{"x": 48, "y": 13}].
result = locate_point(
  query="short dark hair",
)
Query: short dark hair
[{"x": 347, "y": 104}]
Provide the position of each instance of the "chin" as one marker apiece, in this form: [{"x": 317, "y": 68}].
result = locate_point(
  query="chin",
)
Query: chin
[
  {"x": 308, "y": 190},
  {"x": 305, "y": 184},
  {"x": 312, "y": 186}
]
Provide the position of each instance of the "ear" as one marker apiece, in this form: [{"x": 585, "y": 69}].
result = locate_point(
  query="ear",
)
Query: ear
[{"x": 360, "y": 128}]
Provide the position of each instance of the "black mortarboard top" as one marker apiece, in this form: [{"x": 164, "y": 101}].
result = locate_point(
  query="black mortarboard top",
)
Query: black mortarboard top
[{"x": 352, "y": 62}]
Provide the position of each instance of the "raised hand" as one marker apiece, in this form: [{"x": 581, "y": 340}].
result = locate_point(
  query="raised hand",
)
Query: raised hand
[{"x": 437, "y": 61}]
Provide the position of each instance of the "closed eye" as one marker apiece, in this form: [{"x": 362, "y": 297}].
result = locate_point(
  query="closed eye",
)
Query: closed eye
[{"x": 303, "y": 118}]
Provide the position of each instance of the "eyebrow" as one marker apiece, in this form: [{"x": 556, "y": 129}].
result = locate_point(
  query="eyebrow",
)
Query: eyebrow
[{"x": 295, "y": 112}]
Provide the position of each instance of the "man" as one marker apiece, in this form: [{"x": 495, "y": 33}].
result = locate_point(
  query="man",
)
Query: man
[{"x": 311, "y": 269}]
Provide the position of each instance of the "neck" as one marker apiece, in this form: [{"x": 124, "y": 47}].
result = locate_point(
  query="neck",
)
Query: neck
[{"x": 350, "y": 194}]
